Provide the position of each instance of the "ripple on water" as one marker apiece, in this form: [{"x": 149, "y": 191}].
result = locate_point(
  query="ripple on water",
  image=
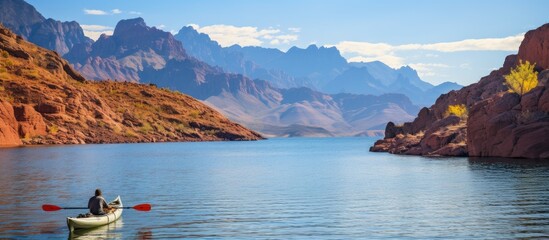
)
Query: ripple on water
[{"x": 279, "y": 188}]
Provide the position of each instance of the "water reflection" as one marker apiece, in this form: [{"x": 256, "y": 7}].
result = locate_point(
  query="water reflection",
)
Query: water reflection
[
  {"x": 279, "y": 188},
  {"x": 109, "y": 231},
  {"x": 516, "y": 193},
  {"x": 510, "y": 162},
  {"x": 144, "y": 234}
]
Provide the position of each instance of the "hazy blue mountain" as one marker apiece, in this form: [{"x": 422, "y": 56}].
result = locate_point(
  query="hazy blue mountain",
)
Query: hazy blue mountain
[
  {"x": 318, "y": 64},
  {"x": 319, "y": 68},
  {"x": 259, "y": 55},
  {"x": 357, "y": 81},
  {"x": 233, "y": 59},
  {"x": 378, "y": 78},
  {"x": 19, "y": 16},
  {"x": 411, "y": 76},
  {"x": 24, "y": 20}
]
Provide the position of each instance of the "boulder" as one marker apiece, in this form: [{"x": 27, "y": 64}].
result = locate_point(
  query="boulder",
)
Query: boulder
[
  {"x": 50, "y": 108},
  {"x": 8, "y": 125},
  {"x": 31, "y": 123}
]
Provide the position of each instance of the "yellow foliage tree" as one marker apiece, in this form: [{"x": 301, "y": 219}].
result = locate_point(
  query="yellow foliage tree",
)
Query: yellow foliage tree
[
  {"x": 522, "y": 79},
  {"x": 458, "y": 110}
]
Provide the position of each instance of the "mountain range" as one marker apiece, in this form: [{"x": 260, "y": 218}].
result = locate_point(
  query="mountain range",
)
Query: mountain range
[
  {"x": 274, "y": 92},
  {"x": 320, "y": 68}
]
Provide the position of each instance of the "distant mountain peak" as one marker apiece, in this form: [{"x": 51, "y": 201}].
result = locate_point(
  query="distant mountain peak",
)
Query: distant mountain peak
[
  {"x": 18, "y": 14},
  {"x": 407, "y": 68},
  {"x": 312, "y": 47},
  {"x": 128, "y": 25}
]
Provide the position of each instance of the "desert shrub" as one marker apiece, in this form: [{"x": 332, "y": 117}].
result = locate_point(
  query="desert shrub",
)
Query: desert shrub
[
  {"x": 9, "y": 63},
  {"x": 139, "y": 105},
  {"x": 160, "y": 128},
  {"x": 146, "y": 128},
  {"x": 53, "y": 129},
  {"x": 32, "y": 74},
  {"x": 522, "y": 78},
  {"x": 5, "y": 54},
  {"x": 182, "y": 126},
  {"x": 457, "y": 110},
  {"x": 130, "y": 133},
  {"x": 194, "y": 114}
]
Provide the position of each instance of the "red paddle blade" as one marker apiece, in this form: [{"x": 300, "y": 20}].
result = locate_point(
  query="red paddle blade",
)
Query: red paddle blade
[
  {"x": 50, "y": 208},
  {"x": 142, "y": 207}
]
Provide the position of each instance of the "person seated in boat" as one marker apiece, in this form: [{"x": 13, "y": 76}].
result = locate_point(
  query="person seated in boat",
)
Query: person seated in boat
[{"x": 97, "y": 204}]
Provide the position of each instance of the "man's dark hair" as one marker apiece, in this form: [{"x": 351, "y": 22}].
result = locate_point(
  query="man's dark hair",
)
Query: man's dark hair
[{"x": 97, "y": 192}]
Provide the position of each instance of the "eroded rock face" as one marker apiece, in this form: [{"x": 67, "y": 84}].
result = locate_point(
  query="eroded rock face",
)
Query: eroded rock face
[
  {"x": 535, "y": 47},
  {"x": 31, "y": 123},
  {"x": 507, "y": 125},
  {"x": 8, "y": 125},
  {"x": 499, "y": 124}
]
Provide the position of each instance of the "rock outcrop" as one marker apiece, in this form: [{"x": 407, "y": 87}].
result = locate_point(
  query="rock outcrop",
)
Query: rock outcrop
[
  {"x": 499, "y": 123},
  {"x": 535, "y": 47},
  {"x": 31, "y": 122},
  {"x": 8, "y": 125},
  {"x": 44, "y": 101}
]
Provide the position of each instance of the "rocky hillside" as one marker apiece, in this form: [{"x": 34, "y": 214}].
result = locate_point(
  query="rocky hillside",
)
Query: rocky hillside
[
  {"x": 499, "y": 123},
  {"x": 44, "y": 101}
]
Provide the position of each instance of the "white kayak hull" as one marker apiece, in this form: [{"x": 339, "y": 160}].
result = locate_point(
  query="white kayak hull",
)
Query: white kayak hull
[{"x": 96, "y": 221}]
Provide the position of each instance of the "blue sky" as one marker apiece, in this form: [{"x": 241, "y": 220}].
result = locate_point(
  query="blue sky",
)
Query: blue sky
[{"x": 458, "y": 41}]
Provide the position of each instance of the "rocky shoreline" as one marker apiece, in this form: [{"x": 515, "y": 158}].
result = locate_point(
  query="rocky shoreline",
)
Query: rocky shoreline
[{"x": 499, "y": 123}]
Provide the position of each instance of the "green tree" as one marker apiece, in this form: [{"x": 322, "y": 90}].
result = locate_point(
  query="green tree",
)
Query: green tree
[{"x": 522, "y": 78}]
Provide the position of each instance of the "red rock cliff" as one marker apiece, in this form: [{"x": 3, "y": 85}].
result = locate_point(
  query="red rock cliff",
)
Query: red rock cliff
[{"x": 499, "y": 123}]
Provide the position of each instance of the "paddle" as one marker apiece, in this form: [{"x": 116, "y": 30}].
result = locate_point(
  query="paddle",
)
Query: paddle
[{"x": 50, "y": 208}]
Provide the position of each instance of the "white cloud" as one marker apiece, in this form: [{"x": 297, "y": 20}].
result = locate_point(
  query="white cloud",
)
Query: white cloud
[
  {"x": 228, "y": 35},
  {"x": 510, "y": 43},
  {"x": 161, "y": 26},
  {"x": 94, "y": 12},
  {"x": 362, "y": 51},
  {"x": 116, "y": 11},
  {"x": 294, "y": 29},
  {"x": 286, "y": 38},
  {"x": 465, "y": 66},
  {"x": 134, "y": 13},
  {"x": 94, "y": 31}
]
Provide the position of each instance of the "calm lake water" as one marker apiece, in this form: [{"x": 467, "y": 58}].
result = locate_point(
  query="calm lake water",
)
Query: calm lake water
[{"x": 297, "y": 188}]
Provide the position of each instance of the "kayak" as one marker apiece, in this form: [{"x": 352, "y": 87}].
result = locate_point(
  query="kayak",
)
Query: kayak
[{"x": 97, "y": 220}]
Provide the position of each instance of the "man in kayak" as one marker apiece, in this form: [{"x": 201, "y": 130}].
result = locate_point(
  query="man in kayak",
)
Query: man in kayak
[{"x": 97, "y": 203}]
